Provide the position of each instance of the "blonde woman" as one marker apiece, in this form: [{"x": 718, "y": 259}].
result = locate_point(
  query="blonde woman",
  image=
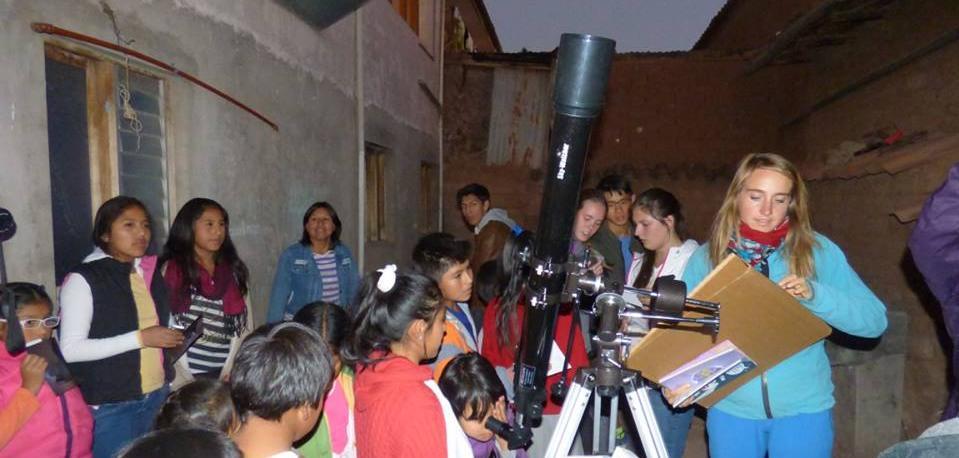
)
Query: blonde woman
[{"x": 764, "y": 219}]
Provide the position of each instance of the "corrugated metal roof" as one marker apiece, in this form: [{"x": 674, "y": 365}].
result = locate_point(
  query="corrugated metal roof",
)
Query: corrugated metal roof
[
  {"x": 519, "y": 124},
  {"x": 891, "y": 159}
]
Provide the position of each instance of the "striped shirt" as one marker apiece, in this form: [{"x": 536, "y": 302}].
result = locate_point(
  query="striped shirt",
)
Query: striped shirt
[
  {"x": 209, "y": 353},
  {"x": 326, "y": 264}
]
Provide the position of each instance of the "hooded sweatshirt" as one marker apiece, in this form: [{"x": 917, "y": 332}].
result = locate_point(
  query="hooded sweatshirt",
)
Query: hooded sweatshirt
[
  {"x": 400, "y": 412},
  {"x": 490, "y": 234},
  {"x": 494, "y": 214},
  {"x": 934, "y": 244}
]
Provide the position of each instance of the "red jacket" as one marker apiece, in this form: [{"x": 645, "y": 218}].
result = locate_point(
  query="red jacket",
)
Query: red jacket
[
  {"x": 499, "y": 355},
  {"x": 396, "y": 414}
]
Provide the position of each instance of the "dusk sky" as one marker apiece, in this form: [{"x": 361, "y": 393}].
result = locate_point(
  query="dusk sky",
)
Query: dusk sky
[{"x": 636, "y": 25}]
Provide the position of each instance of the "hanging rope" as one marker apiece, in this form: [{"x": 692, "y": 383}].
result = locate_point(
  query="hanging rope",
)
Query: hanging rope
[{"x": 127, "y": 112}]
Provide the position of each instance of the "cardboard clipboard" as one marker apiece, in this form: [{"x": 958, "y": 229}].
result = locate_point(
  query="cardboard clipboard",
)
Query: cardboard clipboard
[{"x": 755, "y": 314}]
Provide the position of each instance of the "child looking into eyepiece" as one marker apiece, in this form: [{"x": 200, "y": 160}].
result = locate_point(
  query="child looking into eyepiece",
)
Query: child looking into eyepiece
[{"x": 475, "y": 392}]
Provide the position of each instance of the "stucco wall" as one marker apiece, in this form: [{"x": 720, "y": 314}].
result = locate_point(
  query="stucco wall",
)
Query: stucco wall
[{"x": 304, "y": 79}]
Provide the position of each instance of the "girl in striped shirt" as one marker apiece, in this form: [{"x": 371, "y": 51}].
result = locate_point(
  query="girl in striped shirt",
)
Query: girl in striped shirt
[{"x": 206, "y": 278}]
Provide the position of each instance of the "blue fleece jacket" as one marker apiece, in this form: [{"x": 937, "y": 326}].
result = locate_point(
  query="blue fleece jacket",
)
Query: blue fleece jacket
[{"x": 803, "y": 382}]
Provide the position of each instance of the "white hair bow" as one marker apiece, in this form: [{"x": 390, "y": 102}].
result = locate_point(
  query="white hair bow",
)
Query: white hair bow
[{"x": 387, "y": 278}]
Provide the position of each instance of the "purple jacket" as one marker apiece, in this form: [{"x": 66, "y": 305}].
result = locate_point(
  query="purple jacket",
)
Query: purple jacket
[
  {"x": 489, "y": 449},
  {"x": 935, "y": 249}
]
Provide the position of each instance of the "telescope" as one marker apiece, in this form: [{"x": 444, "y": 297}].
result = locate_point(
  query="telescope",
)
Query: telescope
[{"x": 541, "y": 268}]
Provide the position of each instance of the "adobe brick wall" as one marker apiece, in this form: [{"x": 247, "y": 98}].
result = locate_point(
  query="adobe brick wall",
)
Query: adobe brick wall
[
  {"x": 856, "y": 213},
  {"x": 681, "y": 121},
  {"x": 516, "y": 187},
  {"x": 751, "y": 24},
  {"x": 683, "y": 109}
]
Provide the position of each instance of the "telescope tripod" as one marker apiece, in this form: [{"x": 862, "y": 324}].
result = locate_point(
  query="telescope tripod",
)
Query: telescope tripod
[{"x": 637, "y": 396}]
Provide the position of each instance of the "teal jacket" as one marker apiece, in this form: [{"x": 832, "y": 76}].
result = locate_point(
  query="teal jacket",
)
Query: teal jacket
[{"x": 803, "y": 382}]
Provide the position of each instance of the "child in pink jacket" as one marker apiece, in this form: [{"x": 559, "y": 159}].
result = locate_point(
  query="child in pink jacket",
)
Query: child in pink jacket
[{"x": 61, "y": 426}]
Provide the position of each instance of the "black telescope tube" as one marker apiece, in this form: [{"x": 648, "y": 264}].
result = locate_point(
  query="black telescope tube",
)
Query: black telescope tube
[{"x": 583, "y": 65}]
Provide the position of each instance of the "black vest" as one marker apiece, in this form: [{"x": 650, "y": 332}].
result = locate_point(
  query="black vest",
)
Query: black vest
[{"x": 116, "y": 378}]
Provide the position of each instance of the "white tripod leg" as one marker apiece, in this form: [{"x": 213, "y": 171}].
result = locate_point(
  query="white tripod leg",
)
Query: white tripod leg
[
  {"x": 571, "y": 415},
  {"x": 641, "y": 407}
]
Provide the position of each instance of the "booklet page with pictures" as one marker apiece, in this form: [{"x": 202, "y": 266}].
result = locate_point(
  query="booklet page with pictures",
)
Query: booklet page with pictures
[{"x": 705, "y": 373}]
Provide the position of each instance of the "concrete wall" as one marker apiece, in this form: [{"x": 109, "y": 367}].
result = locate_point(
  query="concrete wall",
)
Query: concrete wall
[
  {"x": 402, "y": 116},
  {"x": 304, "y": 79}
]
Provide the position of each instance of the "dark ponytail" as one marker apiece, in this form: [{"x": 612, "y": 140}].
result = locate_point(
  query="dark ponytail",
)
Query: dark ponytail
[
  {"x": 384, "y": 317},
  {"x": 660, "y": 204},
  {"x": 511, "y": 274}
]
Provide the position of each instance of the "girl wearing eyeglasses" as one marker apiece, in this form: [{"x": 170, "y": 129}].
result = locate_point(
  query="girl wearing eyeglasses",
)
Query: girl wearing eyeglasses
[{"x": 35, "y": 420}]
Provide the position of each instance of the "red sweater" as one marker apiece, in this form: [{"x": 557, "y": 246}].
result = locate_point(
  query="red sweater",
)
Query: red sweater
[
  {"x": 396, "y": 413},
  {"x": 499, "y": 355}
]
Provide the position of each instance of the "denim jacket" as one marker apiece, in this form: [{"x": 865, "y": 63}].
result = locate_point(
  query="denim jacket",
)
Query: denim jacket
[{"x": 298, "y": 282}]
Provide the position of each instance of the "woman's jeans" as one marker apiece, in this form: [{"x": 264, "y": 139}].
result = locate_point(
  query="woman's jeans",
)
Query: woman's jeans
[
  {"x": 118, "y": 423},
  {"x": 673, "y": 423}
]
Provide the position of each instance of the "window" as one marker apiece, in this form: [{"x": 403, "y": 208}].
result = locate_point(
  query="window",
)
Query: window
[
  {"x": 429, "y": 190},
  {"x": 140, "y": 146},
  {"x": 105, "y": 132},
  {"x": 375, "y": 192},
  {"x": 423, "y": 18},
  {"x": 409, "y": 10}
]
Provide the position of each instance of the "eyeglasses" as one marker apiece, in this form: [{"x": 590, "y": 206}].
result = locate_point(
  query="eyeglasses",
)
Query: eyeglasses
[
  {"x": 621, "y": 203},
  {"x": 49, "y": 322}
]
